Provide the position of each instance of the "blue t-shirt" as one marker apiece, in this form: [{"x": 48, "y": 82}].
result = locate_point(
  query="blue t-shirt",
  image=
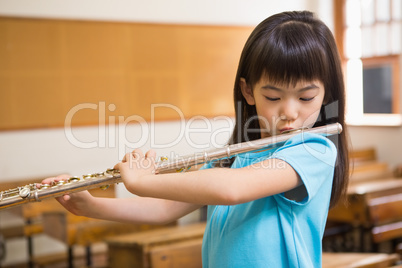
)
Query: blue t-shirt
[{"x": 275, "y": 231}]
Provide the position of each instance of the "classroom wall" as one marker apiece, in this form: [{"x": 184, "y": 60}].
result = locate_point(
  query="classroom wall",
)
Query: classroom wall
[
  {"x": 222, "y": 12},
  {"x": 42, "y": 152}
]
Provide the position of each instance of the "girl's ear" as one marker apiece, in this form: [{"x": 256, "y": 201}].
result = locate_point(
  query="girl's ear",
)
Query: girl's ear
[{"x": 247, "y": 91}]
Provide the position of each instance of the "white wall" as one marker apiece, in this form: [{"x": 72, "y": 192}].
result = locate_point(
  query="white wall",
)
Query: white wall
[
  {"x": 386, "y": 140},
  {"x": 230, "y": 12},
  {"x": 82, "y": 150}
]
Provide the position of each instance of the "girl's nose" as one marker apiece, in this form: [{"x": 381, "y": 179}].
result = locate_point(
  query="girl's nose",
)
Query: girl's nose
[{"x": 289, "y": 111}]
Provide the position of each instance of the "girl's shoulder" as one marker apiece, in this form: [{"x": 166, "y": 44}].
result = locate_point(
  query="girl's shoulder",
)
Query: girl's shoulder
[
  {"x": 310, "y": 138},
  {"x": 309, "y": 145}
]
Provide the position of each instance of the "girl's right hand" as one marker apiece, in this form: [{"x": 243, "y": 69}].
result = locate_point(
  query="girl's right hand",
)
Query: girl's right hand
[{"x": 77, "y": 203}]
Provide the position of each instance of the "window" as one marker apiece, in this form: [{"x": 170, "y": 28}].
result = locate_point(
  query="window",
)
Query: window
[
  {"x": 369, "y": 32},
  {"x": 381, "y": 85}
]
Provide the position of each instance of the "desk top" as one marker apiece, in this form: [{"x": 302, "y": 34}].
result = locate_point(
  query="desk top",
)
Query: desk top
[
  {"x": 344, "y": 260},
  {"x": 362, "y": 196},
  {"x": 159, "y": 236},
  {"x": 374, "y": 186}
]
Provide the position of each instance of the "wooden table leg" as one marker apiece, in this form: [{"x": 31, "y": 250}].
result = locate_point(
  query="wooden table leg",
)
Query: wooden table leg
[
  {"x": 70, "y": 257},
  {"x": 88, "y": 256}
]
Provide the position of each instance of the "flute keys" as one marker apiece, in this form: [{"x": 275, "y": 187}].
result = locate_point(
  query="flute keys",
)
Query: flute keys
[
  {"x": 24, "y": 192},
  {"x": 104, "y": 187},
  {"x": 73, "y": 179},
  {"x": 112, "y": 171},
  {"x": 57, "y": 183},
  {"x": 184, "y": 169},
  {"x": 44, "y": 186}
]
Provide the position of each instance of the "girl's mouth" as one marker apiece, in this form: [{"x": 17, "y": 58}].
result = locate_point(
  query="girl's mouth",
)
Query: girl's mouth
[{"x": 285, "y": 129}]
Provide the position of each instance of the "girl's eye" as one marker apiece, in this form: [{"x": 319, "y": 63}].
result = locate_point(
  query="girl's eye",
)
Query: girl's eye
[
  {"x": 272, "y": 99},
  {"x": 307, "y": 99}
]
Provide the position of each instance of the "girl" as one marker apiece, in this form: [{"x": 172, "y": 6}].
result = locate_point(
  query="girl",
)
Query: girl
[{"x": 266, "y": 209}]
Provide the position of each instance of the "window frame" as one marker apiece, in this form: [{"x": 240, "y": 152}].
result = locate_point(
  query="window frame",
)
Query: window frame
[{"x": 357, "y": 116}]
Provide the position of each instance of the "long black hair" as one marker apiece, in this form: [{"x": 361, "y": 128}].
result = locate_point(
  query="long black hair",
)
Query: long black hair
[{"x": 289, "y": 47}]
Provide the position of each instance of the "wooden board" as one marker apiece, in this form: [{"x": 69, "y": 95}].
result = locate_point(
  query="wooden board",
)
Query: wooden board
[
  {"x": 362, "y": 260},
  {"x": 178, "y": 246},
  {"x": 57, "y": 72}
]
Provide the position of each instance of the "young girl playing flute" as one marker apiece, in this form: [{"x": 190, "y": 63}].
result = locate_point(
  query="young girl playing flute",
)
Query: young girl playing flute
[{"x": 265, "y": 209}]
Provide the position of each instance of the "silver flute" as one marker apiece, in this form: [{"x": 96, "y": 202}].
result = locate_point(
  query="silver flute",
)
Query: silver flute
[{"x": 35, "y": 192}]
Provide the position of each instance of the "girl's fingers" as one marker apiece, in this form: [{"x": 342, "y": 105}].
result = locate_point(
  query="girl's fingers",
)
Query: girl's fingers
[
  {"x": 151, "y": 154},
  {"x": 138, "y": 159},
  {"x": 50, "y": 180},
  {"x": 125, "y": 157},
  {"x": 47, "y": 180},
  {"x": 117, "y": 166},
  {"x": 137, "y": 153},
  {"x": 63, "y": 199},
  {"x": 62, "y": 177}
]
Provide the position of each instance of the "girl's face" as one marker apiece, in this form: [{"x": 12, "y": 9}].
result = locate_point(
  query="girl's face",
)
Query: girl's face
[{"x": 282, "y": 107}]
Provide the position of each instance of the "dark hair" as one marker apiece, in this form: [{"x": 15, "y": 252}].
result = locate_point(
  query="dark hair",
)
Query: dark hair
[{"x": 291, "y": 47}]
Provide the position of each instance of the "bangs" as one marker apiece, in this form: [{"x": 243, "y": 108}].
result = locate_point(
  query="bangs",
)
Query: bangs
[{"x": 288, "y": 55}]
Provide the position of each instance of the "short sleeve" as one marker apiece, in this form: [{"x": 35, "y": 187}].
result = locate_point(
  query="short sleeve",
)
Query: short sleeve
[
  {"x": 313, "y": 157},
  {"x": 207, "y": 165}
]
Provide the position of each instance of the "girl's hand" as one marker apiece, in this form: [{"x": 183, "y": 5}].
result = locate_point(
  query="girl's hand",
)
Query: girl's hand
[
  {"x": 134, "y": 166},
  {"x": 77, "y": 203}
]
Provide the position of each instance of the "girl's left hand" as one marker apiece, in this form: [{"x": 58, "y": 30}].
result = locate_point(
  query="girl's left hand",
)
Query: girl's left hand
[{"x": 136, "y": 165}]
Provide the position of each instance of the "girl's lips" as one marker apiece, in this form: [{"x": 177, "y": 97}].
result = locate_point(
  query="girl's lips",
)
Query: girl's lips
[{"x": 285, "y": 129}]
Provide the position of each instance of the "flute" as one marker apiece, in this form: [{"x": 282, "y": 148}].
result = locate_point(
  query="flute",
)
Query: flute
[{"x": 32, "y": 193}]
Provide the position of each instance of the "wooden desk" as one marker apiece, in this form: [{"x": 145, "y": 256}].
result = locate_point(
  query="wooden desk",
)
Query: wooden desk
[
  {"x": 73, "y": 230},
  {"x": 374, "y": 206},
  {"x": 29, "y": 213},
  {"x": 180, "y": 246},
  {"x": 358, "y": 260},
  {"x": 172, "y": 247},
  {"x": 49, "y": 217},
  {"x": 360, "y": 195},
  {"x": 369, "y": 170}
]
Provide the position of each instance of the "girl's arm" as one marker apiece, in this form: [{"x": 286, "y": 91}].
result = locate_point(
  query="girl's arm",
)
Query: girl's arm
[
  {"x": 138, "y": 210},
  {"x": 132, "y": 210},
  {"x": 223, "y": 186}
]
